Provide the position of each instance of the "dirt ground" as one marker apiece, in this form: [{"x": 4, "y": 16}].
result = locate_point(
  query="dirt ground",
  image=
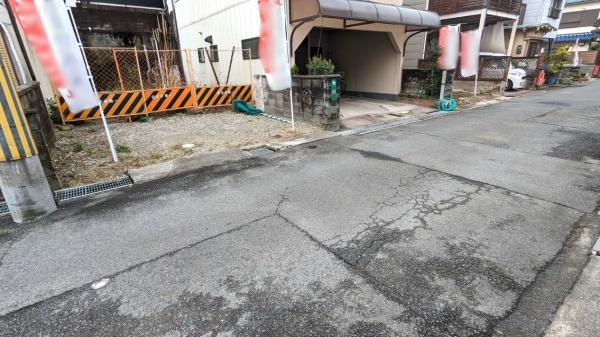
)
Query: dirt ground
[{"x": 82, "y": 155}]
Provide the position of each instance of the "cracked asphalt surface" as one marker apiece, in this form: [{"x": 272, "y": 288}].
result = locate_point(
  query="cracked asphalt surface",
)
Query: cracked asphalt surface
[{"x": 470, "y": 224}]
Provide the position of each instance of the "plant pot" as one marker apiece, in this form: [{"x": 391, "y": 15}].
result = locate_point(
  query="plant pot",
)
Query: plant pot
[{"x": 552, "y": 80}]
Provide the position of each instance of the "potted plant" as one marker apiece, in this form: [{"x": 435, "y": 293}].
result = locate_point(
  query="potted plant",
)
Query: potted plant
[
  {"x": 318, "y": 65},
  {"x": 556, "y": 61}
]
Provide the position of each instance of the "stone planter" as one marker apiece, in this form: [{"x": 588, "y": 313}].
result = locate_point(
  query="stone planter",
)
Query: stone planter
[{"x": 316, "y": 100}]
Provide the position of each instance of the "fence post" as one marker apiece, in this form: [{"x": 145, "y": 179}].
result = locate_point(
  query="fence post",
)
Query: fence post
[
  {"x": 192, "y": 82},
  {"x": 137, "y": 62},
  {"x": 118, "y": 69}
]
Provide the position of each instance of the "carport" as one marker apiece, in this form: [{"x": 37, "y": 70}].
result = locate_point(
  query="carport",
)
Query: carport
[{"x": 364, "y": 39}]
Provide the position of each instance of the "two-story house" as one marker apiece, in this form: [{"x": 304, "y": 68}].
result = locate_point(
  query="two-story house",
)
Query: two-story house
[
  {"x": 538, "y": 18},
  {"x": 577, "y": 24},
  {"x": 481, "y": 14}
]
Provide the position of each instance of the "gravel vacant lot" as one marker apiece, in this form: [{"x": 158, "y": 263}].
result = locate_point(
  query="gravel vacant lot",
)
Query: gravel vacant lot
[{"x": 82, "y": 155}]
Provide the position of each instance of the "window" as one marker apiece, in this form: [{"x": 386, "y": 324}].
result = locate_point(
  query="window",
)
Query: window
[
  {"x": 534, "y": 48},
  {"x": 212, "y": 52},
  {"x": 555, "y": 9},
  {"x": 250, "y": 47},
  {"x": 579, "y": 19},
  {"x": 201, "y": 57}
]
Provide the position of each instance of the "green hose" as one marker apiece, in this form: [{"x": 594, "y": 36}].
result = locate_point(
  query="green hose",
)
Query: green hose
[
  {"x": 447, "y": 104},
  {"x": 251, "y": 110}
]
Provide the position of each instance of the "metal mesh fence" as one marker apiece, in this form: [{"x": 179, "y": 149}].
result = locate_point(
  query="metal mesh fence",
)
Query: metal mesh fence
[
  {"x": 220, "y": 67},
  {"x": 103, "y": 68},
  {"x": 135, "y": 69},
  {"x": 162, "y": 68}
]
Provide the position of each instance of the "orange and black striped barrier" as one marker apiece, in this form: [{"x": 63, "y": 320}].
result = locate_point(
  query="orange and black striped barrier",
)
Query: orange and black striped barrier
[{"x": 132, "y": 103}]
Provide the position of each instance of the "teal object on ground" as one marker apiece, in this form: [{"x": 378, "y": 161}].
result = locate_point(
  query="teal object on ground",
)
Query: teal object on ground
[
  {"x": 447, "y": 104},
  {"x": 245, "y": 108}
]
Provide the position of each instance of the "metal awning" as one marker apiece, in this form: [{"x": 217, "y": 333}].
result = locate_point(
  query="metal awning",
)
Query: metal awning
[
  {"x": 363, "y": 11},
  {"x": 582, "y": 37}
]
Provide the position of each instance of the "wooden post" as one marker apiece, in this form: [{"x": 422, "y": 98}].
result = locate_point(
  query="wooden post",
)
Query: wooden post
[{"x": 513, "y": 33}]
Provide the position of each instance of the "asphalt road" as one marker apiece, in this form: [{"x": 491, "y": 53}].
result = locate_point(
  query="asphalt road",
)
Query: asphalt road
[{"x": 477, "y": 223}]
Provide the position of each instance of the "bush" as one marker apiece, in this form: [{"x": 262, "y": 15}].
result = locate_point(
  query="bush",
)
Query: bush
[
  {"x": 53, "y": 111},
  {"x": 294, "y": 70},
  {"x": 319, "y": 65},
  {"x": 557, "y": 60}
]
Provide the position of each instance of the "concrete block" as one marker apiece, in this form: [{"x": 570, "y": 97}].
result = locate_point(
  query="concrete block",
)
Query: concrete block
[{"x": 26, "y": 189}]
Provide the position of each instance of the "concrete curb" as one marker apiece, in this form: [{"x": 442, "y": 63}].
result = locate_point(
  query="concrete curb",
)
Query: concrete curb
[
  {"x": 185, "y": 164},
  {"x": 198, "y": 161}
]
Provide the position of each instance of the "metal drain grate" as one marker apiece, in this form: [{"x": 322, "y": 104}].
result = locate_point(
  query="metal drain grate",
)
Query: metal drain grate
[
  {"x": 85, "y": 190},
  {"x": 4, "y": 208}
]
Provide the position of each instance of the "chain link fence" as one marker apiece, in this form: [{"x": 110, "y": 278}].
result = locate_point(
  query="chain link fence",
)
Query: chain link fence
[
  {"x": 220, "y": 67},
  {"x": 135, "y": 69},
  {"x": 132, "y": 81}
]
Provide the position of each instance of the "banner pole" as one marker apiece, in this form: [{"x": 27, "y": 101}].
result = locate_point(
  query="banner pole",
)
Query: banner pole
[
  {"x": 113, "y": 152},
  {"x": 288, "y": 43}
]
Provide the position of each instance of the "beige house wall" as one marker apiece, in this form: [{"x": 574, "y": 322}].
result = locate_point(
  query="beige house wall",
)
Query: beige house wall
[{"x": 522, "y": 38}]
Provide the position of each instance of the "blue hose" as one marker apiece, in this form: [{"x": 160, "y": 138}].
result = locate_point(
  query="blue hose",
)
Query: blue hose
[{"x": 447, "y": 104}]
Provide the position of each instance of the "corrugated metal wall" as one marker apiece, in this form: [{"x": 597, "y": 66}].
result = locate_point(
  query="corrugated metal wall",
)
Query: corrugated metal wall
[{"x": 228, "y": 21}]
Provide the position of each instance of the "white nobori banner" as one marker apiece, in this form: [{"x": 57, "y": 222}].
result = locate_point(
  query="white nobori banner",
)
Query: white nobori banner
[
  {"x": 48, "y": 28},
  {"x": 273, "y": 44}
]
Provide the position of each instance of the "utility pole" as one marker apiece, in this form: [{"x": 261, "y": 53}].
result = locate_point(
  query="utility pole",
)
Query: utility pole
[{"x": 22, "y": 179}]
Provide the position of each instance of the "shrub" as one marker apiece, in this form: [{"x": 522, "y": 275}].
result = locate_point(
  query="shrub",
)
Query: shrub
[
  {"x": 557, "y": 60},
  {"x": 294, "y": 70},
  {"x": 319, "y": 65},
  {"x": 53, "y": 111}
]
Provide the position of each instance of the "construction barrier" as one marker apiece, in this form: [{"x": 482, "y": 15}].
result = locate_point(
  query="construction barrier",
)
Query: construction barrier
[
  {"x": 133, "y": 83},
  {"x": 133, "y": 103}
]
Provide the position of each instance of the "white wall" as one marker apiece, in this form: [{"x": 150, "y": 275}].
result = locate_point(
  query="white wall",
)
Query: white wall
[
  {"x": 537, "y": 12},
  {"x": 229, "y": 22}
]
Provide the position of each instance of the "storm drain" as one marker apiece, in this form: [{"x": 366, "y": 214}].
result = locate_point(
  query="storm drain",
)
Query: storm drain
[
  {"x": 85, "y": 190},
  {"x": 82, "y": 191}
]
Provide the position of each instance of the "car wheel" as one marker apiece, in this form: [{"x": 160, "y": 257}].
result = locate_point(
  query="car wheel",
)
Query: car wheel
[{"x": 509, "y": 85}]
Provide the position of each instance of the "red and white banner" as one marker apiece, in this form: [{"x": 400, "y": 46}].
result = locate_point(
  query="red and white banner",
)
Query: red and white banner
[
  {"x": 469, "y": 52},
  {"x": 272, "y": 47},
  {"x": 449, "y": 45},
  {"x": 48, "y": 28}
]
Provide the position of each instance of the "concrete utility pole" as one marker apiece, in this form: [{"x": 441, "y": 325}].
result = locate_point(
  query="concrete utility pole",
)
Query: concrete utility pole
[{"x": 22, "y": 179}]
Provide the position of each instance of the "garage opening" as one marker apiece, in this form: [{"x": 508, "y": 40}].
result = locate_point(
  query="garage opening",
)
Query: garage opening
[
  {"x": 368, "y": 62},
  {"x": 370, "y": 66}
]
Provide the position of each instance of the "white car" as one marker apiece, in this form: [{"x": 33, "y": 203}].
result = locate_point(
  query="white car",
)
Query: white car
[{"x": 517, "y": 78}]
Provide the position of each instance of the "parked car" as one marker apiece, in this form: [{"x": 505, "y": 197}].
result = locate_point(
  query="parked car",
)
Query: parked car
[{"x": 517, "y": 78}]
